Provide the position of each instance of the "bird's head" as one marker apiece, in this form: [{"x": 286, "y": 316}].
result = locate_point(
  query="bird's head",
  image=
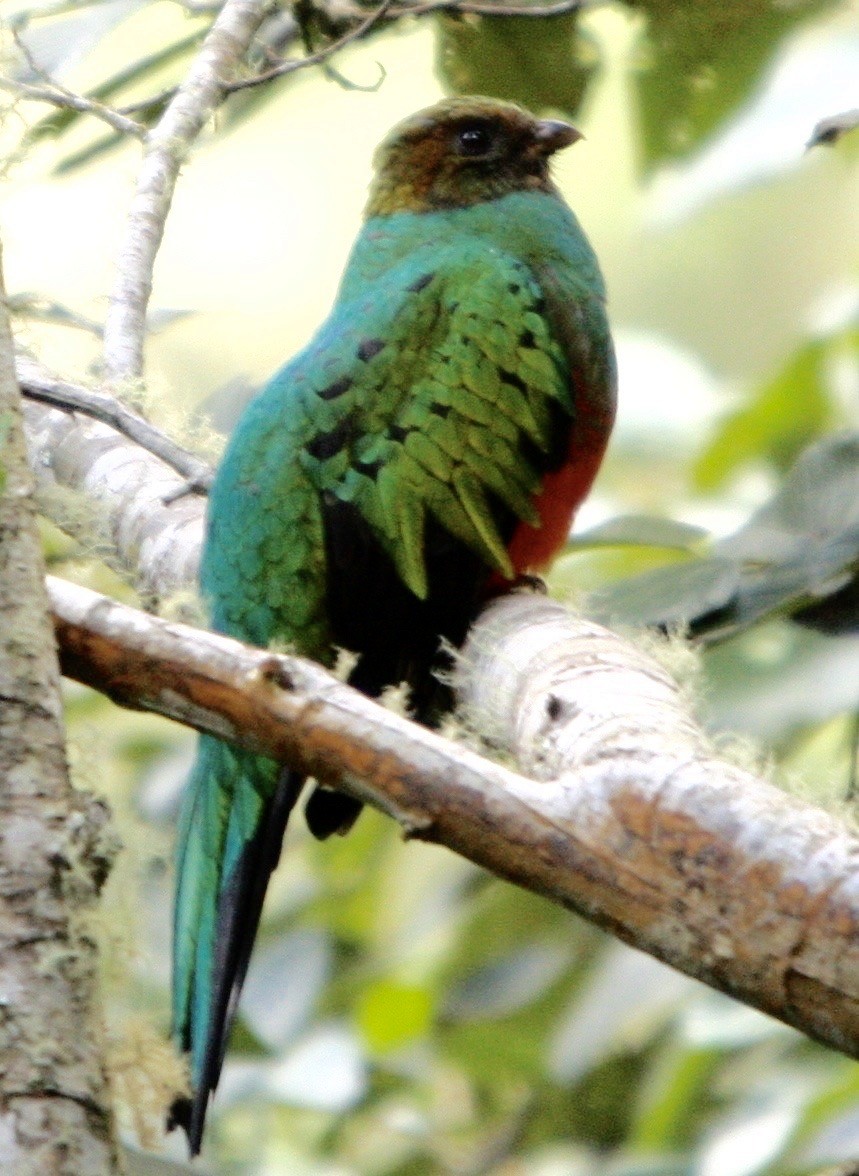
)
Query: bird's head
[{"x": 464, "y": 151}]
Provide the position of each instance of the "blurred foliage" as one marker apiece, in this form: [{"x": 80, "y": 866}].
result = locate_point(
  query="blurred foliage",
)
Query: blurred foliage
[
  {"x": 700, "y": 62},
  {"x": 696, "y": 64},
  {"x": 783, "y": 415},
  {"x": 539, "y": 64},
  {"x": 404, "y": 1013},
  {"x": 799, "y": 549}
]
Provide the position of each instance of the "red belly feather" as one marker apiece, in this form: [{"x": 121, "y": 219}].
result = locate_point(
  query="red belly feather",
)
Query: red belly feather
[{"x": 533, "y": 548}]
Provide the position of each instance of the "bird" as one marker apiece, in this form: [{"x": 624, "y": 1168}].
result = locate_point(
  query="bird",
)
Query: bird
[{"x": 425, "y": 451}]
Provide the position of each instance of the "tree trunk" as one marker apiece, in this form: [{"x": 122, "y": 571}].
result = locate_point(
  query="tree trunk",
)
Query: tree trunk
[{"x": 55, "y": 1116}]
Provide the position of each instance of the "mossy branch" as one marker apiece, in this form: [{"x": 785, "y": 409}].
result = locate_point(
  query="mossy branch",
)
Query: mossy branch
[
  {"x": 638, "y": 826},
  {"x": 627, "y": 816}
]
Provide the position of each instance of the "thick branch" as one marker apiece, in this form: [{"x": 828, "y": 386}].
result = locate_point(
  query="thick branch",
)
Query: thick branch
[
  {"x": 39, "y": 385},
  {"x": 167, "y": 145},
  {"x": 639, "y": 828},
  {"x": 732, "y": 880},
  {"x": 155, "y": 534}
]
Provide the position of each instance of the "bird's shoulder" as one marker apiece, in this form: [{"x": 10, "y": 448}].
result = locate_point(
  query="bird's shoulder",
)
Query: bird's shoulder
[
  {"x": 424, "y": 392},
  {"x": 411, "y": 317}
]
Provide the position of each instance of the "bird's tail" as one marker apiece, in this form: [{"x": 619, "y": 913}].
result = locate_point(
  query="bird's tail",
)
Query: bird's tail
[{"x": 233, "y": 820}]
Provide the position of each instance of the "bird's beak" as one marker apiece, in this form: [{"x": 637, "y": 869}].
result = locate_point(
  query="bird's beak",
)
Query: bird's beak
[{"x": 551, "y": 135}]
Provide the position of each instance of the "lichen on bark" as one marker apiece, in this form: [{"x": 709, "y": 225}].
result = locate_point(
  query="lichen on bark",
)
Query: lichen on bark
[{"x": 55, "y": 852}]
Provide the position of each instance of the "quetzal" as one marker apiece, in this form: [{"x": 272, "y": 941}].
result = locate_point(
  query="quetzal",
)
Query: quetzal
[{"x": 429, "y": 445}]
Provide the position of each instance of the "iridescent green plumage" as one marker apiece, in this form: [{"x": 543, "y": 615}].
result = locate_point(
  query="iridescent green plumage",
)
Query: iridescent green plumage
[{"x": 430, "y": 443}]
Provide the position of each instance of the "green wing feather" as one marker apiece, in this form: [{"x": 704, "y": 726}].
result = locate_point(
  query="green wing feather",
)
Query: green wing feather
[{"x": 440, "y": 416}]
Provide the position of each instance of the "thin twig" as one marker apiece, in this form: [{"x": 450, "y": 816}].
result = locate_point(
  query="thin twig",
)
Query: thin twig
[
  {"x": 38, "y": 385},
  {"x": 476, "y": 9},
  {"x": 56, "y": 94},
  {"x": 472, "y": 8},
  {"x": 345, "y": 83},
  {"x": 167, "y": 146},
  {"x": 67, "y": 100},
  {"x": 322, "y": 55},
  {"x": 389, "y": 11},
  {"x": 34, "y": 306}
]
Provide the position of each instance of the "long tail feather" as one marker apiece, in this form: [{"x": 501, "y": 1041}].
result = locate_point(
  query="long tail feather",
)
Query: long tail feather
[{"x": 233, "y": 822}]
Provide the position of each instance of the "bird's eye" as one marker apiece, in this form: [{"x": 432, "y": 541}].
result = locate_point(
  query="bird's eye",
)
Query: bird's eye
[{"x": 474, "y": 139}]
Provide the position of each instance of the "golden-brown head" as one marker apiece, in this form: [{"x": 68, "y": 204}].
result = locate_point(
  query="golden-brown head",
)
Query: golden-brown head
[{"x": 463, "y": 151}]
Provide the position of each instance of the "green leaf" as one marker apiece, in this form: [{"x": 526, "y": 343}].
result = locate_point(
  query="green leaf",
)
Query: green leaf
[
  {"x": 700, "y": 62},
  {"x": 829, "y": 1129},
  {"x": 538, "y": 62},
  {"x": 784, "y": 416},
  {"x": 624, "y": 1004},
  {"x": 816, "y": 511},
  {"x": 305, "y": 956},
  {"x": 503, "y": 986},
  {"x": 673, "y": 596},
  {"x": 679, "y": 1084},
  {"x": 654, "y": 1166},
  {"x": 800, "y": 547},
  {"x": 640, "y": 531},
  {"x": 390, "y": 1014}
]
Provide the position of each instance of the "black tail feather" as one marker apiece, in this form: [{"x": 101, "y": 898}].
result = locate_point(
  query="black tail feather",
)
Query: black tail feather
[{"x": 240, "y": 907}]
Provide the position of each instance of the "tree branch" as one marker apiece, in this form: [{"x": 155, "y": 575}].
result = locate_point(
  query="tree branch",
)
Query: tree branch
[
  {"x": 632, "y": 821},
  {"x": 58, "y": 95},
  {"x": 628, "y": 817},
  {"x": 154, "y": 529},
  {"x": 167, "y": 146},
  {"x": 55, "y": 1111},
  {"x": 341, "y": 9},
  {"x": 65, "y": 99},
  {"x": 707, "y": 932},
  {"x": 318, "y": 58},
  {"x": 362, "y": 24},
  {"x": 39, "y": 385}
]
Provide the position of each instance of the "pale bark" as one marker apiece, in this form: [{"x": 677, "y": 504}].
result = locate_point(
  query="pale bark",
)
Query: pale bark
[
  {"x": 630, "y": 819},
  {"x": 167, "y": 146},
  {"x": 40, "y": 386},
  {"x": 689, "y": 857},
  {"x": 66, "y": 100},
  {"x": 154, "y": 536},
  {"x": 55, "y": 1116}
]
